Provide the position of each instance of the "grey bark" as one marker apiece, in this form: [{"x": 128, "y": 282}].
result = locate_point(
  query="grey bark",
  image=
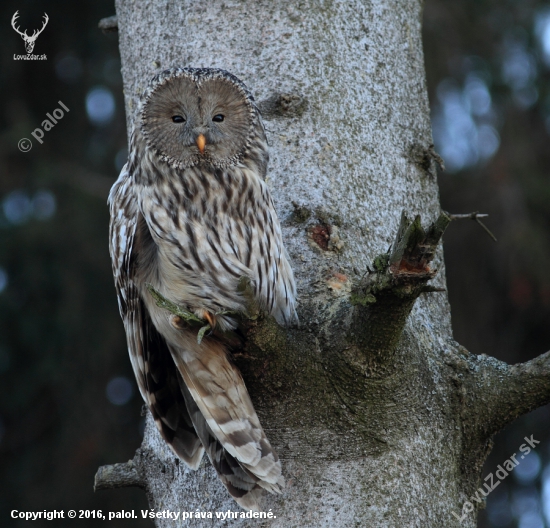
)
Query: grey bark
[{"x": 369, "y": 435}]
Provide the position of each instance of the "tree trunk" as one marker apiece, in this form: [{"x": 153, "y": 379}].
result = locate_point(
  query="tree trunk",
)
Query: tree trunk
[{"x": 379, "y": 417}]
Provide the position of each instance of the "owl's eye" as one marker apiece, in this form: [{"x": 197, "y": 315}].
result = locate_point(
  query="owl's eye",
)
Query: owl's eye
[
  {"x": 178, "y": 119},
  {"x": 218, "y": 118}
]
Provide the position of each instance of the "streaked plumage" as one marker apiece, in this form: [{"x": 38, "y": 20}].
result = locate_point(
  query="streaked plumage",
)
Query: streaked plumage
[{"x": 191, "y": 216}]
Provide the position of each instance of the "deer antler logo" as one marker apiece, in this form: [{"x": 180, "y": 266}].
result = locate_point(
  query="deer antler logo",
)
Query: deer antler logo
[{"x": 29, "y": 41}]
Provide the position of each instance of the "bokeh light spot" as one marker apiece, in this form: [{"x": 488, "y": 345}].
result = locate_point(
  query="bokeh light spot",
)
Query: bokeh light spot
[
  {"x": 119, "y": 390},
  {"x": 525, "y": 500},
  {"x": 3, "y": 280},
  {"x": 43, "y": 205},
  {"x": 542, "y": 30},
  {"x": 546, "y": 493},
  {"x": 461, "y": 123},
  {"x": 531, "y": 520},
  {"x": 100, "y": 105},
  {"x": 17, "y": 207},
  {"x": 528, "y": 469}
]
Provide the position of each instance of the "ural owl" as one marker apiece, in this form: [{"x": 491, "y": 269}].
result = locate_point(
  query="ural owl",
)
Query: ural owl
[{"x": 191, "y": 216}]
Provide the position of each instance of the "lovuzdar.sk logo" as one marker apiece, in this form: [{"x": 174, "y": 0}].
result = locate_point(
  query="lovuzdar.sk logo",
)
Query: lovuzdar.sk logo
[{"x": 29, "y": 40}]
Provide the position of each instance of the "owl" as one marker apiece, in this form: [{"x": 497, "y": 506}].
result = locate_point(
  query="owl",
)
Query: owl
[{"x": 191, "y": 217}]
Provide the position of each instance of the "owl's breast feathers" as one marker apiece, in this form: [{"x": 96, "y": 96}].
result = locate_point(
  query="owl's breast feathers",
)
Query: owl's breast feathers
[{"x": 212, "y": 226}]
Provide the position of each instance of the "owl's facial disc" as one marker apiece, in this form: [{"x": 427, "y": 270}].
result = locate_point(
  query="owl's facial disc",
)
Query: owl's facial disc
[{"x": 189, "y": 122}]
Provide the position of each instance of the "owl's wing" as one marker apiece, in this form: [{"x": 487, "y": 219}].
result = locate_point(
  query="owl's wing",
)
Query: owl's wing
[{"x": 157, "y": 379}]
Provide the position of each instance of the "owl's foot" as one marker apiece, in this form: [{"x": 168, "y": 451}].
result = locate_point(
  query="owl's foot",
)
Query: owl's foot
[
  {"x": 212, "y": 322},
  {"x": 179, "y": 323},
  {"x": 163, "y": 302},
  {"x": 182, "y": 318}
]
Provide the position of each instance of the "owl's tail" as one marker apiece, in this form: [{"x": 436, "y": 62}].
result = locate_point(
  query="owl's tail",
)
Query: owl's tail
[
  {"x": 241, "y": 484},
  {"x": 226, "y": 422}
]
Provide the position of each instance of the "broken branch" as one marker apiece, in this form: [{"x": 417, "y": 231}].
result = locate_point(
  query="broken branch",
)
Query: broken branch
[
  {"x": 122, "y": 475},
  {"x": 109, "y": 24},
  {"x": 384, "y": 298}
]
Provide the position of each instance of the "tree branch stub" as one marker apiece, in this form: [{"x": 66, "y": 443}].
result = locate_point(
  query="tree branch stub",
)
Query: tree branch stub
[
  {"x": 123, "y": 475},
  {"x": 108, "y": 24},
  {"x": 384, "y": 298}
]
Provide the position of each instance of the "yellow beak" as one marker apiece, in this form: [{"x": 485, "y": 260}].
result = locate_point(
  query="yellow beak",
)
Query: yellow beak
[{"x": 201, "y": 142}]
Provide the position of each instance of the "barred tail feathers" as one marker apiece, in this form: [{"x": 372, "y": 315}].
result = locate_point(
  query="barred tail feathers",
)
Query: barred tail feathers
[
  {"x": 240, "y": 483},
  {"x": 219, "y": 392}
]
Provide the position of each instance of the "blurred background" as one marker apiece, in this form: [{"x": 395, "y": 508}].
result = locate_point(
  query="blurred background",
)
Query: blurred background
[
  {"x": 488, "y": 71},
  {"x": 68, "y": 401}
]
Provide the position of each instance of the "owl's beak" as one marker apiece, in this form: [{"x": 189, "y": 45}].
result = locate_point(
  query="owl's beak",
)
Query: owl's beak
[{"x": 201, "y": 142}]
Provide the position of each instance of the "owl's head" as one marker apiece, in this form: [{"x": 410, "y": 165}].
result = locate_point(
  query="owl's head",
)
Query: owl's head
[{"x": 191, "y": 116}]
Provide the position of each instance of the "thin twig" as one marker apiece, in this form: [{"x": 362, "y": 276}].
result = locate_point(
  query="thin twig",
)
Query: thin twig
[
  {"x": 474, "y": 216},
  {"x": 467, "y": 216},
  {"x": 486, "y": 229}
]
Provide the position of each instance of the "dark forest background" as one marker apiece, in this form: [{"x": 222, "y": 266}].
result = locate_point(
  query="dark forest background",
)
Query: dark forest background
[{"x": 68, "y": 401}]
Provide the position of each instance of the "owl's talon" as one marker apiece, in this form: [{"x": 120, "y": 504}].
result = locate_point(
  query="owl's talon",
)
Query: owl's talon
[
  {"x": 210, "y": 319},
  {"x": 176, "y": 321}
]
